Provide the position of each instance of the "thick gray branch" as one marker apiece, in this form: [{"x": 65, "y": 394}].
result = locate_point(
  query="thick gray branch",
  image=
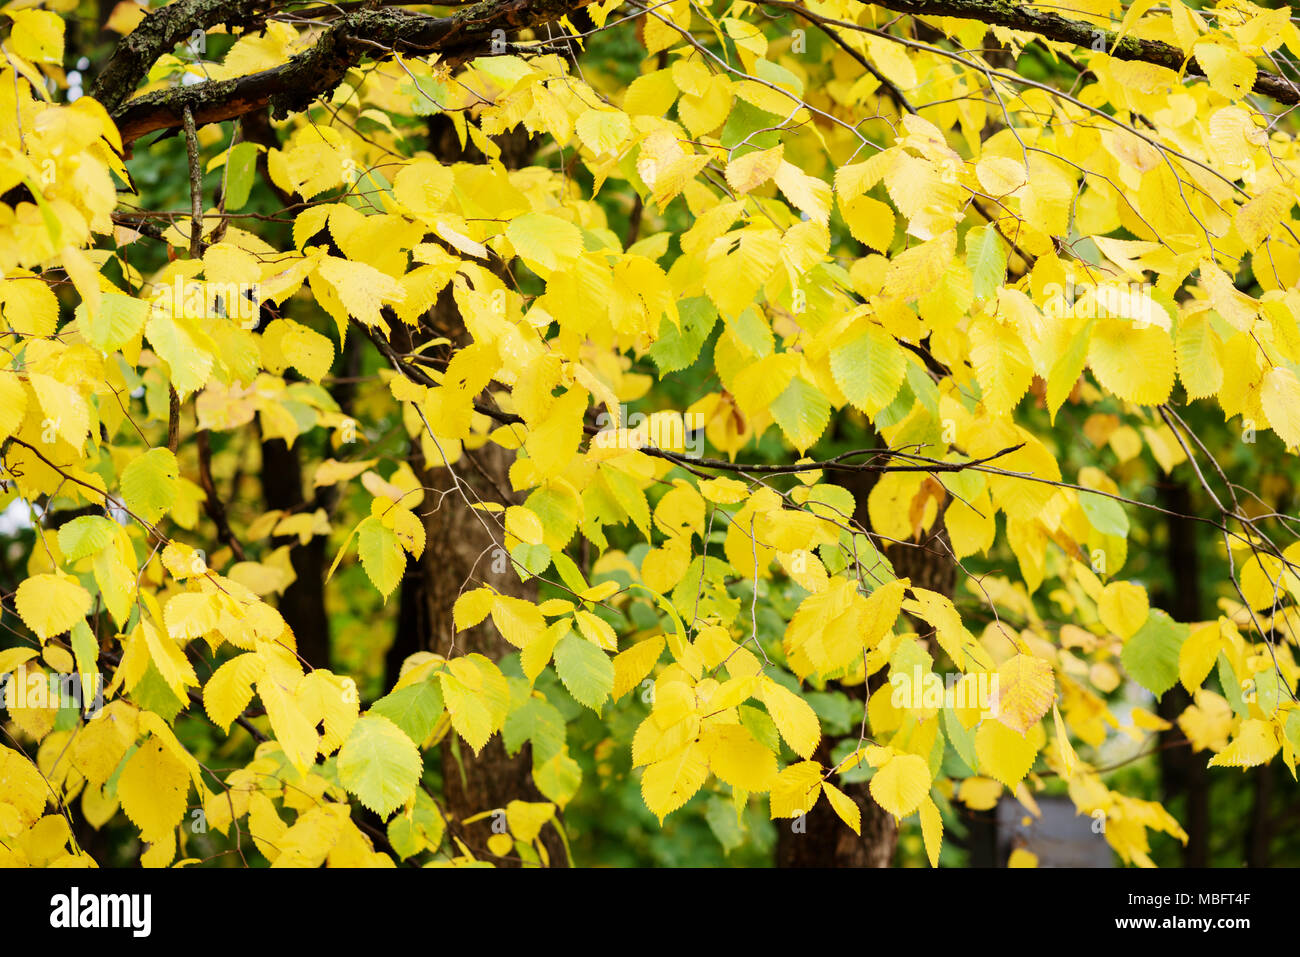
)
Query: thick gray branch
[{"x": 357, "y": 35}]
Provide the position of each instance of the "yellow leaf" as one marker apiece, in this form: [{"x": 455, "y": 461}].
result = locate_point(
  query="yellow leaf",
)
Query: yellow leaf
[
  {"x": 37, "y": 35},
  {"x": 1255, "y": 744},
  {"x": 230, "y": 689},
  {"x": 51, "y": 604},
  {"x": 1198, "y": 654},
  {"x": 979, "y": 794},
  {"x": 472, "y": 607},
  {"x": 916, "y": 271},
  {"x": 796, "y": 789},
  {"x": 477, "y": 697},
  {"x": 667, "y": 785},
  {"x": 809, "y": 194},
  {"x": 1068, "y": 758},
  {"x": 1280, "y": 397},
  {"x": 296, "y": 734},
  {"x": 738, "y": 759},
  {"x": 1022, "y": 858},
  {"x": 870, "y": 221},
  {"x": 1004, "y": 754},
  {"x": 844, "y": 806},
  {"x": 794, "y": 718},
  {"x": 545, "y": 241},
  {"x": 1134, "y": 363},
  {"x": 901, "y": 784},
  {"x": 1025, "y": 691},
  {"x": 1123, "y": 608},
  {"x": 153, "y": 790},
  {"x": 632, "y": 666},
  {"x": 748, "y": 172},
  {"x": 170, "y": 660},
  {"x": 1258, "y": 217},
  {"x": 554, "y": 441},
  {"x": 1002, "y": 365},
  {"x": 22, "y": 785},
  {"x": 596, "y": 630},
  {"x": 1231, "y": 73},
  {"x": 931, "y": 830}
]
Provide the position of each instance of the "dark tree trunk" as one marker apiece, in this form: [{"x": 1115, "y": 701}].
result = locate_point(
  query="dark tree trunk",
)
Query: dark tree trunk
[
  {"x": 461, "y": 551},
  {"x": 1259, "y": 835},
  {"x": 1183, "y": 775},
  {"x": 823, "y": 840},
  {"x": 303, "y": 602}
]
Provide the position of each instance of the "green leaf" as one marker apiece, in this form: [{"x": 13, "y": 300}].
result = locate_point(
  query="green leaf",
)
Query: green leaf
[
  {"x": 587, "y": 672},
  {"x": 629, "y": 497},
  {"x": 724, "y": 822},
  {"x": 1268, "y": 690},
  {"x": 119, "y": 320},
  {"x": 760, "y": 724},
  {"x": 419, "y": 830},
  {"x": 869, "y": 369},
  {"x": 150, "y": 484},
  {"x": 963, "y": 740},
  {"x": 802, "y": 412},
  {"x": 1106, "y": 515},
  {"x": 533, "y": 559},
  {"x": 153, "y": 693},
  {"x": 570, "y": 574},
  {"x": 558, "y": 778},
  {"x": 1151, "y": 656},
  {"x": 379, "y": 764},
  {"x": 1066, "y": 370},
  {"x": 537, "y": 721},
  {"x": 924, "y": 388},
  {"x": 381, "y": 555},
  {"x": 986, "y": 257},
  {"x": 415, "y": 709},
  {"x": 428, "y": 96},
  {"x": 1232, "y": 687},
  {"x": 835, "y": 711},
  {"x": 241, "y": 164},
  {"x": 85, "y": 650},
  {"x": 84, "y": 536},
  {"x": 748, "y": 129},
  {"x": 676, "y": 349}
]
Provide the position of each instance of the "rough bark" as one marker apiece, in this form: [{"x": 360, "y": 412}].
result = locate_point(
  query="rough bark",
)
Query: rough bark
[
  {"x": 823, "y": 840},
  {"x": 370, "y": 33},
  {"x": 292, "y": 87},
  {"x": 1053, "y": 26},
  {"x": 461, "y": 549}
]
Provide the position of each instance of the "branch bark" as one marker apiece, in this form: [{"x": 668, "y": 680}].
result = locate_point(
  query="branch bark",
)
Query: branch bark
[
  {"x": 292, "y": 87},
  {"x": 1053, "y": 26},
  {"x": 157, "y": 34}
]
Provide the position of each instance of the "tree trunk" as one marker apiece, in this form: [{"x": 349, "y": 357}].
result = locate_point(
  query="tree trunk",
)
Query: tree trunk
[
  {"x": 822, "y": 839},
  {"x": 1259, "y": 834},
  {"x": 462, "y": 550},
  {"x": 303, "y": 602},
  {"x": 1183, "y": 775}
]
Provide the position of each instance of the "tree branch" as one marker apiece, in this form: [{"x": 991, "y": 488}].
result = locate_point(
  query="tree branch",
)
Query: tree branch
[
  {"x": 1053, "y": 26},
  {"x": 371, "y": 33},
  {"x": 157, "y": 34}
]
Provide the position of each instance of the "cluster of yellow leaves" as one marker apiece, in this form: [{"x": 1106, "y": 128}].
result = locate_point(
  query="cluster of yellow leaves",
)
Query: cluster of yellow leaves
[{"x": 830, "y": 266}]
